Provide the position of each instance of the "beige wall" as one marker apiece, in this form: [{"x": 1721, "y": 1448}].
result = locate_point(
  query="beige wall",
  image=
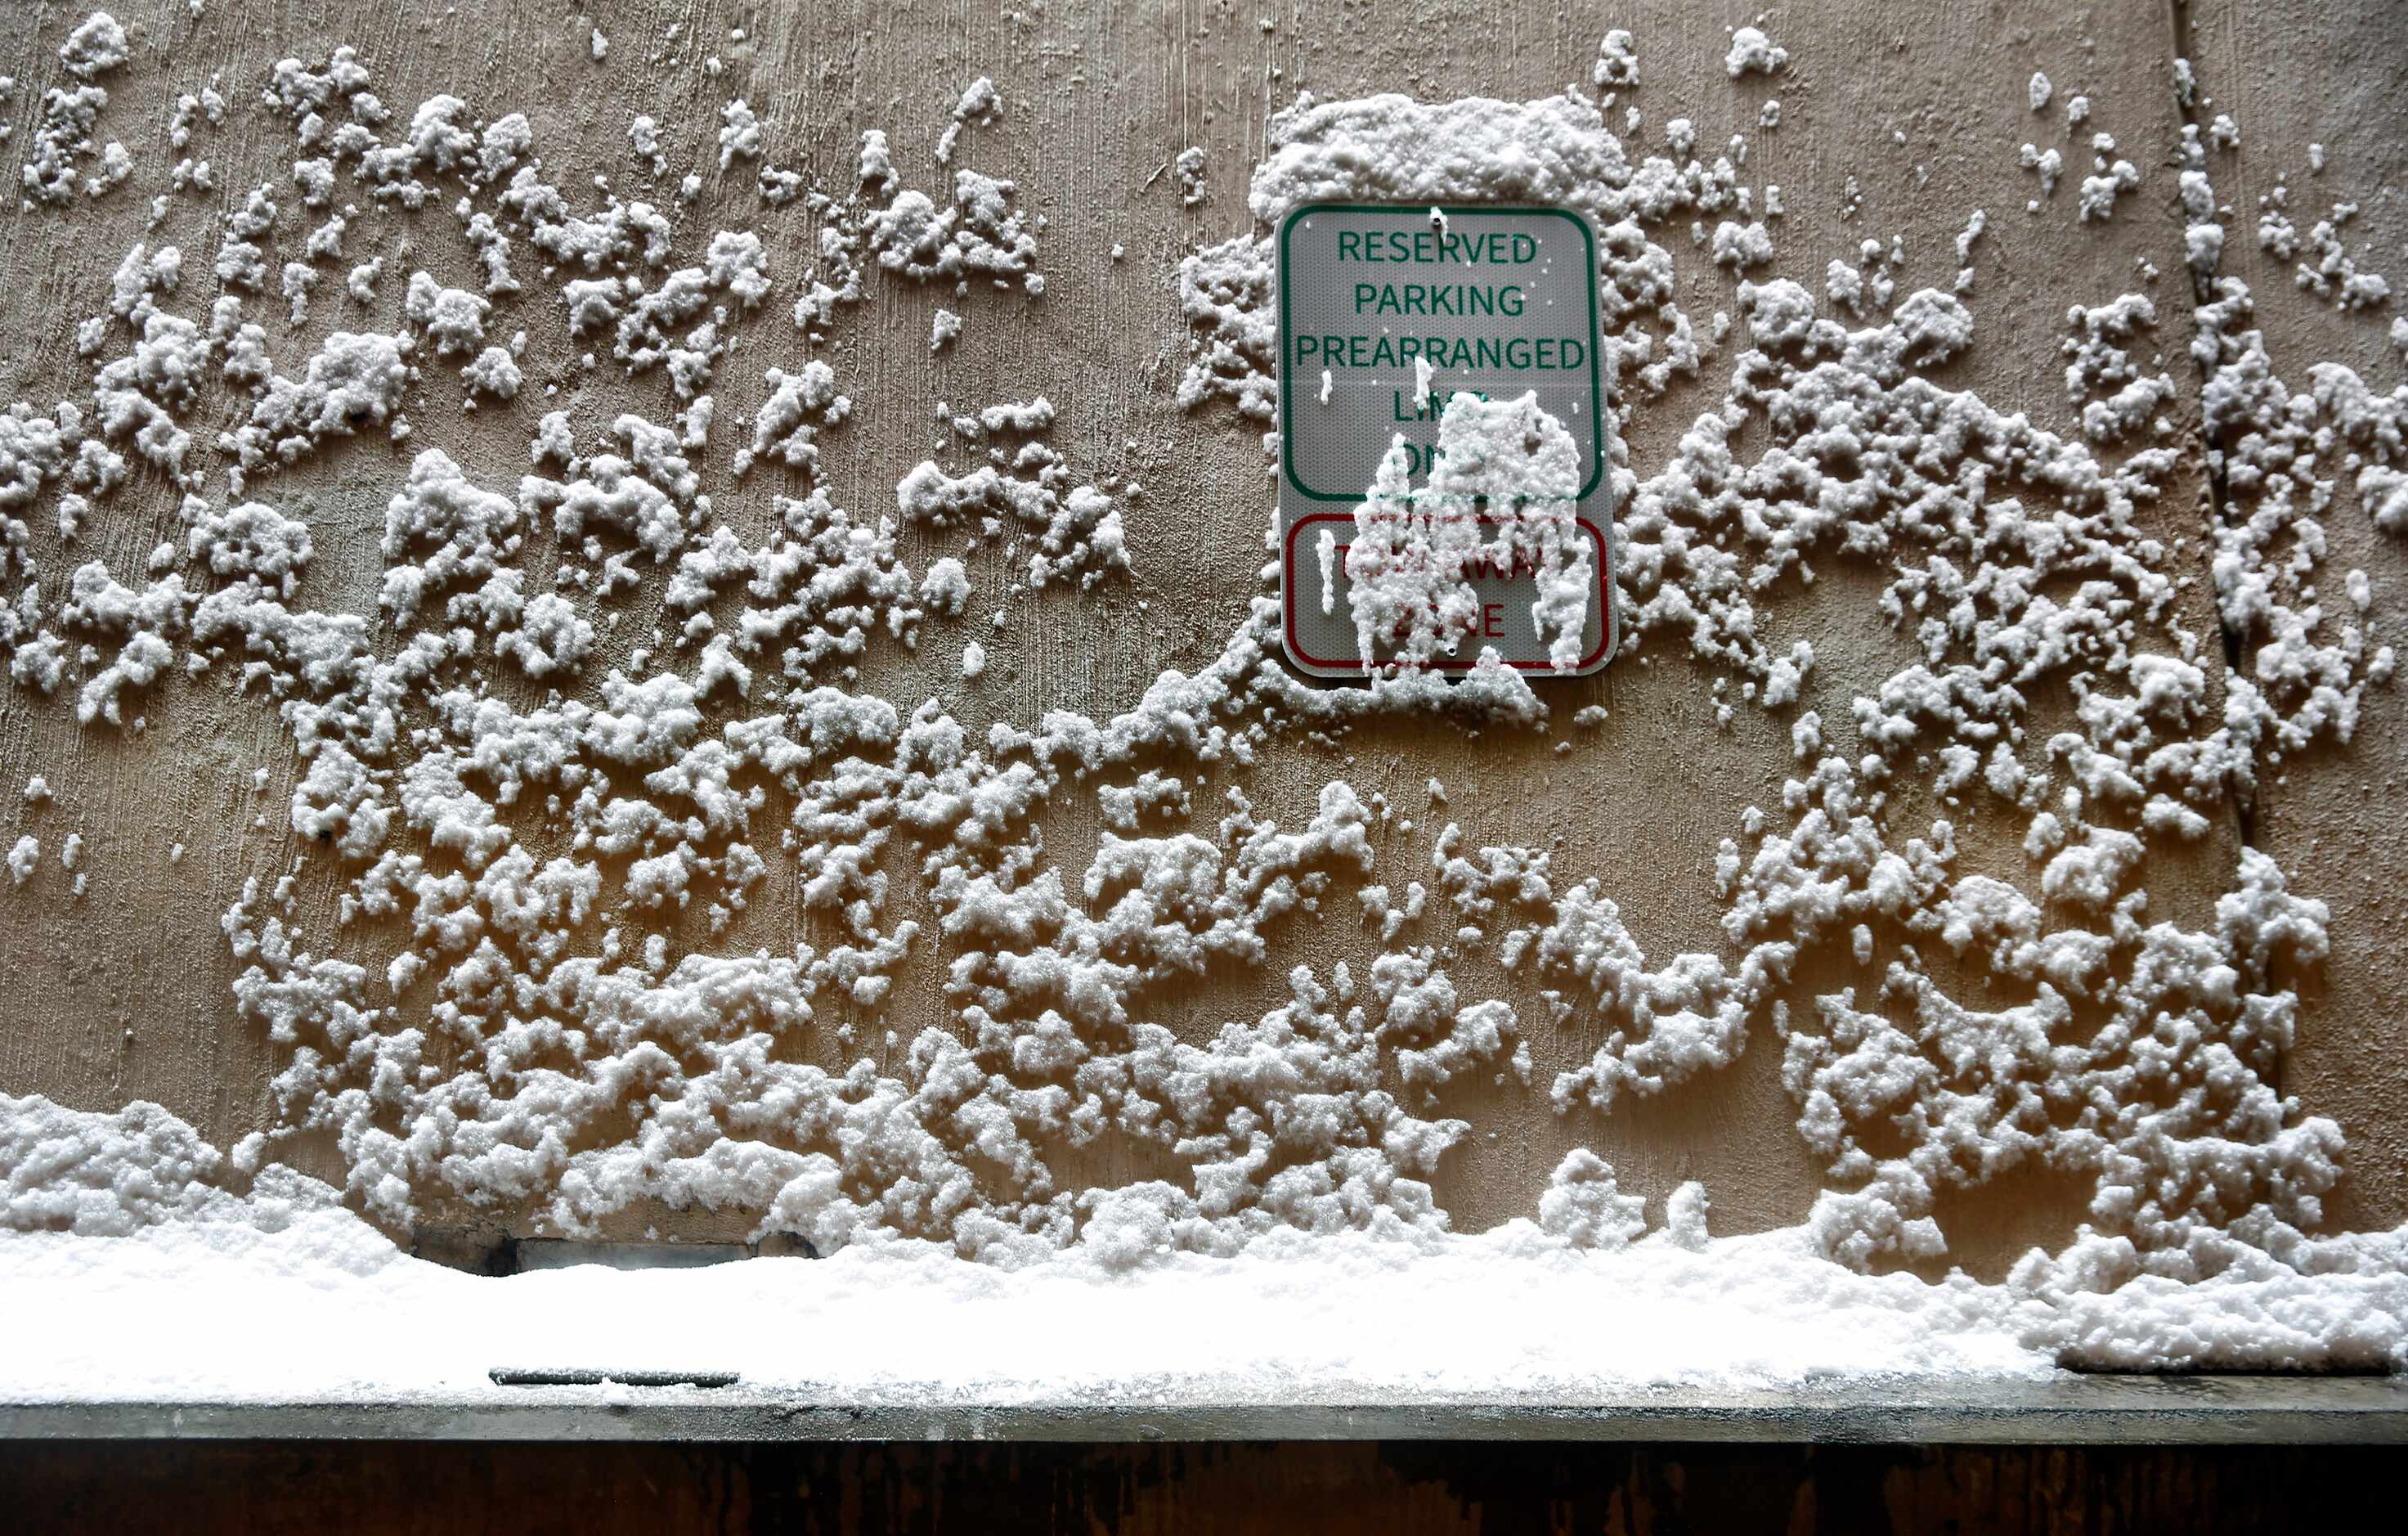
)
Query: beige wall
[{"x": 124, "y": 995}]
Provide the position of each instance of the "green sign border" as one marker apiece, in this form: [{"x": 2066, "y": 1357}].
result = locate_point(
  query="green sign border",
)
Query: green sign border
[{"x": 1595, "y": 379}]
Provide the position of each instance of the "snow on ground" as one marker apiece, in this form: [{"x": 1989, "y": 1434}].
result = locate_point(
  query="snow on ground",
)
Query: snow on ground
[
  {"x": 222, "y": 1311},
  {"x": 203, "y": 1311},
  {"x": 200, "y": 1295}
]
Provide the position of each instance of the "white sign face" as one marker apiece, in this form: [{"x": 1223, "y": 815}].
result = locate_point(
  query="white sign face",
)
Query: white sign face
[{"x": 1386, "y": 315}]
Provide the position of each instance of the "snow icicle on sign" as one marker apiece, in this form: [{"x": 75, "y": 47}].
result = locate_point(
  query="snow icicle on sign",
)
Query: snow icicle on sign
[{"x": 1444, "y": 490}]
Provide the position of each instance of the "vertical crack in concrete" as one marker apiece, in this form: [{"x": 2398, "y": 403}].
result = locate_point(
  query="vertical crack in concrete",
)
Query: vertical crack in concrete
[{"x": 2219, "y": 491}]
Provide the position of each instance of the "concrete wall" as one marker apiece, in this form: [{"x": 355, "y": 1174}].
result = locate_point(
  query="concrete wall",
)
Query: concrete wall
[{"x": 124, "y": 994}]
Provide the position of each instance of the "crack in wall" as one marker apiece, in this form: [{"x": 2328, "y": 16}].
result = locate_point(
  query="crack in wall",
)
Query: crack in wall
[{"x": 2236, "y": 649}]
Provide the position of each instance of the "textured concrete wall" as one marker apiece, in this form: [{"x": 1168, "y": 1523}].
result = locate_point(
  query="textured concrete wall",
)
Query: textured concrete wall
[{"x": 124, "y": 994}]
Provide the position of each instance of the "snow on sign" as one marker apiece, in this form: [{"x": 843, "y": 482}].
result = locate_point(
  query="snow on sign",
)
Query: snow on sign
[{"x": 1442, "y": 480}]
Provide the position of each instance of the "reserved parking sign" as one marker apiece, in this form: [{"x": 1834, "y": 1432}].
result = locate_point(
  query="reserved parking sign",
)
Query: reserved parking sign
[{"x": 1385, "y": 314}]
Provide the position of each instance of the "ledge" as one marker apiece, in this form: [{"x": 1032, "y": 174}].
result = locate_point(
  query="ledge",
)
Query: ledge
[{"x": 2065, "y": 1409}]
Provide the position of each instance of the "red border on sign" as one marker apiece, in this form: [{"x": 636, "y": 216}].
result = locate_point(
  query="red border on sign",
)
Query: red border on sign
[{"x": 1287, "y": 605}]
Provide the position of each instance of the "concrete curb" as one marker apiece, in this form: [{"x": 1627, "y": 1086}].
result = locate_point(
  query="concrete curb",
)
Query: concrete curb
[{"x": 2066, "y": 1409}]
